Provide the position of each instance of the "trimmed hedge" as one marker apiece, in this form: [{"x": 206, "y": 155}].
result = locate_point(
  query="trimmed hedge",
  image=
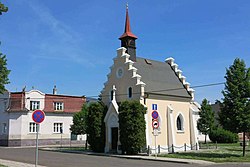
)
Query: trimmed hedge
[{"x": 220, "y": 135}]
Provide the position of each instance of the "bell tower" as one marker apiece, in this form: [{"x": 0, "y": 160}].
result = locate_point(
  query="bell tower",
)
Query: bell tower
[{"x": 128, "y": 39}]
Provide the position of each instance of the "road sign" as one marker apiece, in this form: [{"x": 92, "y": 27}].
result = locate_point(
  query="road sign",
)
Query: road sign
[
  {"x": 155, "y": 114},
  {"x": 155, "y": 133},
  {"x": 155, "y": 124},
  {"x": 154, "y": 106},
  {"x": 38, "y": 116}
]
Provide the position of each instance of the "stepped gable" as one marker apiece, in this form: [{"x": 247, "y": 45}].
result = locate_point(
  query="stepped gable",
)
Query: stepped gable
[{"x": 163, "y": 78}]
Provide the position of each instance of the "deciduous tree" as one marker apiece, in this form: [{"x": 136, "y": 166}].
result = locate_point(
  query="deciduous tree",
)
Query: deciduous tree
[{"x": 206, "y": 120}]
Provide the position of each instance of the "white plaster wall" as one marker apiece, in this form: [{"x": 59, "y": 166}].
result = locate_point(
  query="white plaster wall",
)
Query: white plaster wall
[
  {"x": 34, "y": 95},
  {"x": 46, "y": 130},
  {"x": 4, "y": 103},
  {"x": 15, "y": 125}
]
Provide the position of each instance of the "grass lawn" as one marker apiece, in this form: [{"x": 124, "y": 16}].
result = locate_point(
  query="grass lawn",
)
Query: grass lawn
[
  {"x": 2, "y": 165},
  {"x": 224, "y": 153}
]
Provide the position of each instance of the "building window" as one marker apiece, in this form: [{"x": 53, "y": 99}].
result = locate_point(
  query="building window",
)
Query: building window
[
  {"x": 179, "y": 123},
  {"x": 58, "y": 106},
  {"x": 58, "y": 128},
  {"x": 33, "y": 127},
  {"x": 4, "y": 128},
  {"x": 111, "y": 95},
  {"x": 34, "y": 105},
  {"x": 130, "y": 92}
]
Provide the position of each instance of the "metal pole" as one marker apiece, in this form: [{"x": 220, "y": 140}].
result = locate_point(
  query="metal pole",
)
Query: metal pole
[
  {"x": 155, "y": 148},
  {"x": 61, "y": 140},
  {"x": 37, "y": 126}
]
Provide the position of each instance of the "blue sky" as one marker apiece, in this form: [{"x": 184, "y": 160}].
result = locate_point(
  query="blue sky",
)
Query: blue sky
[{"x": 71, "y": 44}]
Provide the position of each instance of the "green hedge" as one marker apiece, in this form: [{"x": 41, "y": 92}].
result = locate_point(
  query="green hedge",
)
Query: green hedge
[{"x": 220, "y": 135}]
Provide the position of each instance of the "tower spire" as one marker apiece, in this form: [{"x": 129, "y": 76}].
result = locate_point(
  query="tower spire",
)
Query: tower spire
[
  {"x": 127, "y": 30},
  {"x": 128, "y": 38}
]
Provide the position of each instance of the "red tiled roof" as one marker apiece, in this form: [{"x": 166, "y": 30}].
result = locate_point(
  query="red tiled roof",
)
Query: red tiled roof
[{"x": 127, "y": 31}]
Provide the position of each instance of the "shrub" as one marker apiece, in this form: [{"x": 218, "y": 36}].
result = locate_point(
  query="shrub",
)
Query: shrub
[
  {"x": 132, "y": 126},
  {"x": 223, "y": 136},
  {"x": 96, "y": 126}
]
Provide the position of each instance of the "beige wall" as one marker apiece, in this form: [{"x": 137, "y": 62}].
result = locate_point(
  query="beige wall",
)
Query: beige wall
[
  {"x": 178, "y": 108},
  {"x": 128, "y": 79}
]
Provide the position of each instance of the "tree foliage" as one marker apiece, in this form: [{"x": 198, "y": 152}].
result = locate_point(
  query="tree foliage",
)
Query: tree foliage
[
  {"x": 79, "y": 121},
  {"x": 3, "y": 8},
  {"x": 235, "y": 113},
  {"x": 4, "y": 72},
  {"x": 132, "y": 126},
  {"x": 206, "y": 120},
  {"x": 96, "y": 126},
  {"x": 221, "y": 135}
]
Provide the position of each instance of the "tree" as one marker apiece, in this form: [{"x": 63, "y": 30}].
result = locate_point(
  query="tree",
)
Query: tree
[
  {"x": 79, "y": 121},
  {"x": 235, "y": 113},
  {"x": 132, "y": 126},
  {"x": 96, "y": 126},
  {"x": 206, "y": 120},
  {"x": 4, "y": 72},
  {"x": 3, "y": 8}
]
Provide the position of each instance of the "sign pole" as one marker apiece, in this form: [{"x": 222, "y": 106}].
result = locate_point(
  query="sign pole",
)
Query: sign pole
[
  {"x": 37, "y": 126},
  {"x": 155, "y": 148},
  {"x": 38, "y": 117}
]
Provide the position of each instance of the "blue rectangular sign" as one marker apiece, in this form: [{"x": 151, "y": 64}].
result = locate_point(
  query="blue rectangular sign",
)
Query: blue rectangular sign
[{"x": 154, "y": 106}]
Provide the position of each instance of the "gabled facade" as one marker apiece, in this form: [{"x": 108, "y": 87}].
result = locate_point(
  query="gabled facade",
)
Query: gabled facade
[
  {"x": 17, "y": 126},
  {"x": 158, "y": 86}
]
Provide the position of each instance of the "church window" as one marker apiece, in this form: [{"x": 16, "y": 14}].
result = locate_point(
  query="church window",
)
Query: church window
[
  {"x": 179, "y": 123},
  {"x": 111, "y": 95},
  {"x": 130, "y": 92}
]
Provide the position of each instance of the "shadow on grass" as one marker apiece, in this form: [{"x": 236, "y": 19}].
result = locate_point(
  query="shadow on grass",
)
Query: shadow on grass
[{"x": 209, "y": 155}]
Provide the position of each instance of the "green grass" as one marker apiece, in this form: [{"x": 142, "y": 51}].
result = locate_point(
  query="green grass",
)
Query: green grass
[
  {"x": 223, "y": 153},
  {"x": 2, "y": 165}
]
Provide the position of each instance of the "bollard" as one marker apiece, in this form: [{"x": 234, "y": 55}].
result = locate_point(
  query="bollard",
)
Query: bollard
[
  {"x": 172, "y": 148},
  {"x": 148, "y": 150},
  {"x": 196, "y": 146},
  {"x": 185, "y": 147},
  {"x": 159, "y": 149}
]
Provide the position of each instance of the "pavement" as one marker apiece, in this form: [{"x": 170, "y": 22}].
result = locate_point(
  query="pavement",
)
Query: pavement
[{"x": 138, "y": 157}]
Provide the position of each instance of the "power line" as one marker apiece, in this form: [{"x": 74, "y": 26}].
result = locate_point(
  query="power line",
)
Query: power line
[{"x": 124, "y": 94}]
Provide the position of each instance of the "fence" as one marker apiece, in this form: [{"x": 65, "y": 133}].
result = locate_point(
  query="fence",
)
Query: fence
[{"x": 172, "y": 148}]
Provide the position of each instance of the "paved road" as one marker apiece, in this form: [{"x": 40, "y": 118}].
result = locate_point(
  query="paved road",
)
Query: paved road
[{"x": 55, "y": 159}]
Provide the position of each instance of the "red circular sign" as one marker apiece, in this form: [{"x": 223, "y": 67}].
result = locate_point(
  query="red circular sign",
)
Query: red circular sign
[
  {"x": 155, "y": 114},
  {"x": 38, "y": 116},
  {"x": 155, "y": 124}
]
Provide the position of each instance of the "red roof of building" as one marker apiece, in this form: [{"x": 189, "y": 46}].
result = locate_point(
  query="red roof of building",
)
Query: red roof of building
[{"x": 127, "y": 31}]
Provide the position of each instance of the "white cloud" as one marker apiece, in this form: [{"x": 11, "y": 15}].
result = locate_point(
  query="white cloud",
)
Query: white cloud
[{"x": 62, "y": 42}]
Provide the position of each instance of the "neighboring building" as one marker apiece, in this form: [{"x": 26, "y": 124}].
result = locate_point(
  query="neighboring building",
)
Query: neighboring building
[
  {"x": 17, "y": 126},
  {"x": 158, "y": 86}
]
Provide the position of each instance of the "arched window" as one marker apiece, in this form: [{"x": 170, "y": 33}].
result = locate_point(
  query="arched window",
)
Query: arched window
[
  {"x": 179, "y": 123},
  {"x": 111, "y": 95},
  {"x": 130, "y": 92}
]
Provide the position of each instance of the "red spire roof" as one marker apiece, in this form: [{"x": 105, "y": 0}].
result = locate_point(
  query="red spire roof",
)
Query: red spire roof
[{"x": 127, "y": 31}]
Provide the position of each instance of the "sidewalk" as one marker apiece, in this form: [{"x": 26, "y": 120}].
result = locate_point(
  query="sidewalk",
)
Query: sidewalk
[{"x": 16, "y": 164}]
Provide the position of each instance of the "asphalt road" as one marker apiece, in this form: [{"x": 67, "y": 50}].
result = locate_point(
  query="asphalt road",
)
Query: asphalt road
[{"x": 56, "y": 159}]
